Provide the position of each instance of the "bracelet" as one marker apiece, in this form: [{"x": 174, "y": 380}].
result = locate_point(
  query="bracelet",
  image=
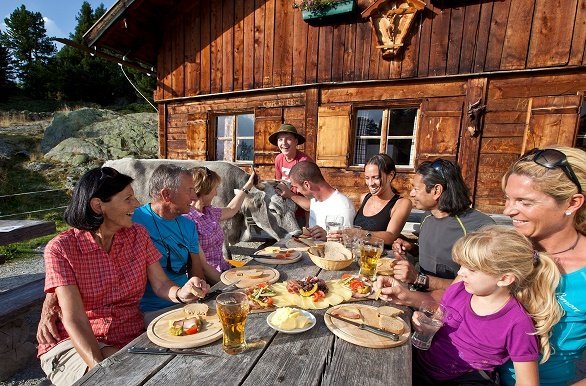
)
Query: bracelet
[
  {"x": 177, "y": 296},
  {"x": 246, "y": 191}
]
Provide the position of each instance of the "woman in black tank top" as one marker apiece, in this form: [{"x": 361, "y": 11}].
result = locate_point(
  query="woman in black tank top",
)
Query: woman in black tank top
[{"x": 383, "y": 212}]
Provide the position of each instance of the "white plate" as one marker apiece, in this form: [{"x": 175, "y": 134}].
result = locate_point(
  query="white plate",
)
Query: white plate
[
  {"x": 270, "y": 258},
  {"x": 297, "y": 330}
]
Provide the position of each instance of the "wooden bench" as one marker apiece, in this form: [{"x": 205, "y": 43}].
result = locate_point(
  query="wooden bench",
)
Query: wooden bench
[
  {"x": 19, "y": 316},
  {"x": 14, "y": 231}
]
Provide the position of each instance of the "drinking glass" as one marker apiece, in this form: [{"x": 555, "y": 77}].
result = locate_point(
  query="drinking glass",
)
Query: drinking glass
[
  {"x": 334, "y": 226},
  {"x": 431, "y": 316},
  {"x": 371, "y": 248},
  {"x": 350, "y": 236},
  {"x": 233, "y": 310}
]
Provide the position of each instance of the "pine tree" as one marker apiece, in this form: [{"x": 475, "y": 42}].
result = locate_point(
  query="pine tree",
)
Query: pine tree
[{"x": 27, "y": 43}]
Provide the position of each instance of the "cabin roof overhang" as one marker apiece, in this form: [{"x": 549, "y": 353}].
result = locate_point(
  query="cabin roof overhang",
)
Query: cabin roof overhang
[{"x": 131, "y": 29}]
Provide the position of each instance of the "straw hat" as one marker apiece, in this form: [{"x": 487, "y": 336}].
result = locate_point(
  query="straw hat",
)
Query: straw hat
[{"x": 286, "y": 128}]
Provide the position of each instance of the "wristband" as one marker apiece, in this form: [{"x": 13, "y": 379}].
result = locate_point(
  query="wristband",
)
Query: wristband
[
  {"x": 177, "y": 296},
  {"x": 246, "y": 191}
]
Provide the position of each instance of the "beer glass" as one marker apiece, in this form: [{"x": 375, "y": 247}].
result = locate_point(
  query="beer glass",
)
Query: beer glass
[
  {"x": 232, "y": 310},
  {"x": 371, "y": 248}
]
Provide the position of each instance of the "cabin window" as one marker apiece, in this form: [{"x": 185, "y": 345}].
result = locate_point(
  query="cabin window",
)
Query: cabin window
[
  {"x": 390, "y": 131},
  {"x": 235, "y": 138},
  {"x": 581, "y": 138}
]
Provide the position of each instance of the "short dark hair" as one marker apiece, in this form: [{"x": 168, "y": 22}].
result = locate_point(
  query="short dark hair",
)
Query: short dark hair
[
  {"x": 306, "y": 171},
  {"x": 455, "y": 198},
  {"x": 102, "y": 183}
]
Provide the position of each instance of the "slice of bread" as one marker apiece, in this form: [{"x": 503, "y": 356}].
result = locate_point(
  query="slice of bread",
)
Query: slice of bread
[
  {"x": 389, "y": 311},
  {"x": 196, "y": 309},
  {"x": 391, "y": 324}
]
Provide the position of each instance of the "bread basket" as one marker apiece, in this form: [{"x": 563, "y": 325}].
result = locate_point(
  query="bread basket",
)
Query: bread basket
[{"x": 331, "y": 256}]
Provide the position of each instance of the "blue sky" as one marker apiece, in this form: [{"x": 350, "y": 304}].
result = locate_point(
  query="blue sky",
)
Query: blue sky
[{"x": 59, "y": 15}]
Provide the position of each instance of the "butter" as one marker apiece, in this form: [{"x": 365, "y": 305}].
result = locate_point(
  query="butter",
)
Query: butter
[{"x": 288, "y": 318}]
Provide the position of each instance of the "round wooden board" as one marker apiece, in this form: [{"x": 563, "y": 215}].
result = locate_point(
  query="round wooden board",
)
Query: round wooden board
[
  {"x": 239, "y": 276},
  {"x": 359, "y": 337},
  {"x": 271, "y": 259},
  {"x": 158, "y": 331}
]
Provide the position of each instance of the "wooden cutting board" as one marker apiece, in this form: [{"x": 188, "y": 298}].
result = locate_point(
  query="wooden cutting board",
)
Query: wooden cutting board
[
  {"x": 249, "y": 275},
  {"x": 360, "y": 337},
  {"x": 158, "y": 331}
]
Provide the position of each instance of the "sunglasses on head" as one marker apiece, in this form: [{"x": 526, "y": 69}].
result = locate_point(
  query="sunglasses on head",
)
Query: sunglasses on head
[
  {"x": 438, "y": 166},
  {"x": 552, "y": 159}
]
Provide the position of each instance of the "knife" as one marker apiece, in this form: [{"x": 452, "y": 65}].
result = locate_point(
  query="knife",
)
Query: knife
[
  {"x": 166, "y": 351},
  {"x": 366, "y": 327}
]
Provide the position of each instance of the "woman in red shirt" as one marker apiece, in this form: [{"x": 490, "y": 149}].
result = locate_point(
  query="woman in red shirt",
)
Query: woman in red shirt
[{"x": 97, "y": 272}]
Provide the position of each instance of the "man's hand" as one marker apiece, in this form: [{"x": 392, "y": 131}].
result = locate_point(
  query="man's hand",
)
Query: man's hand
[
  {"x": 317, "y": 233},
  {"x": 194, "y": 289},
  {"x": 404, "y": 271},
  {"x": 283, "y": 190},
  {"x": 400, "y": 247},
  {"x": 47, "y": 332}
]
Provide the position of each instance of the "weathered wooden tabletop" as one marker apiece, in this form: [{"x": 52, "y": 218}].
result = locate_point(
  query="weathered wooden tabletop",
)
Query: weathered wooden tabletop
[{"x": 315, "y": 357}]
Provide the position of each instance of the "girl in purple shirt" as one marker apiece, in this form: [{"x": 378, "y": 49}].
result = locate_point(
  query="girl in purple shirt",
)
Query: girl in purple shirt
[
  {"x": 501, "y": 306},
  {"x": 208, "y": 217}
]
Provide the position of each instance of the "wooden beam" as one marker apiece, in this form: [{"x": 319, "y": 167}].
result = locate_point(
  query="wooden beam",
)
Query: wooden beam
[{"x": 106, "y": 56}]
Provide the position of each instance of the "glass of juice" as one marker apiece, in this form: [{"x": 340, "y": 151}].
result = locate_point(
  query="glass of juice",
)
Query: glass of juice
[{"x": 233, "y": 310}]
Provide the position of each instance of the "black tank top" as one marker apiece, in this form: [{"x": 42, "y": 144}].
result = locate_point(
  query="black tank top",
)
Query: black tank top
[{"x": 379, "y": 221}]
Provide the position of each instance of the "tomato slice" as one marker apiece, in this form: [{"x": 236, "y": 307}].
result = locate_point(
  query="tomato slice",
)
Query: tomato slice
[
  {"x": 269, "y": 302},
  {"x": 192, "y": 330},
  {"x": 356, "y": 284},
  {"x": 318, "y": 295}
]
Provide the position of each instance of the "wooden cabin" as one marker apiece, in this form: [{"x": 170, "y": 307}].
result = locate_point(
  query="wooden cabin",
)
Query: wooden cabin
[{"x": 478, "y": 82}]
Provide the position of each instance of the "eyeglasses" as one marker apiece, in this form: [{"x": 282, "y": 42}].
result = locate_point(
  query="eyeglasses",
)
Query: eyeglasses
[
  {"x": 186, "y": 267},
  {"x": 552, "y": 159},
  {"x": 438, "y": 166}
]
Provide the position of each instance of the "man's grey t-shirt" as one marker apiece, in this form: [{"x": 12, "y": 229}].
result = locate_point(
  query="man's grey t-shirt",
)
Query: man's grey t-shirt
[{"x": 437, "y": 236}]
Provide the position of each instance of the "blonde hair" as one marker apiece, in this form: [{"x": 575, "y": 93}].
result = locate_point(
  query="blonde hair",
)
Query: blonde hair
[
  {"x": 204, "y": 180},
  {"x": 554, "y": 182},
  {"x": 497, "y": 250}
]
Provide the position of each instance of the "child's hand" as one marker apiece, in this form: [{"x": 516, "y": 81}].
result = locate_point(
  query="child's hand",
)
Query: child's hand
[{"x": 415, "y": 320}]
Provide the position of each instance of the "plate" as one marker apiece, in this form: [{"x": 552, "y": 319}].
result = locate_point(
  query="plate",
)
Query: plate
[
  {"x": 270, "y": 258},
  {"x": 249, "y": 275},
  {"x": 355, "y": 335},
  {"x": 297, "y": 330},
  {"x": 158, "y": 331}
]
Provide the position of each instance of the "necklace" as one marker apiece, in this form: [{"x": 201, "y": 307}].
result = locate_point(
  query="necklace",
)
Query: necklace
[{"x": 569, "y": 249}]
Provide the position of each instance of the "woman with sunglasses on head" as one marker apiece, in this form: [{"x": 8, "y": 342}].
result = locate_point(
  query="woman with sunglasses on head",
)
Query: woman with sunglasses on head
[
  {"x": 383, "y": 212},
  {"x": 208, "y": 217},
  {"x": 439, "y": 190},
  {"x": 97, "y": 272},
  {"x": 544, "y": 193}
]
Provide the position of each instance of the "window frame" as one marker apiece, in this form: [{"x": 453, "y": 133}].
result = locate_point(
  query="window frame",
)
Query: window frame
[
  {"x": 386, "y": 106},
  {"x": 213, "y": 135}
]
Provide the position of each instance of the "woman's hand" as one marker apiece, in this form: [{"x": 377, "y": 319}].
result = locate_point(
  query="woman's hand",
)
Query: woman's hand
[
  {"x": 194, "y": 289},
  {"x": 250, "y": 183}
]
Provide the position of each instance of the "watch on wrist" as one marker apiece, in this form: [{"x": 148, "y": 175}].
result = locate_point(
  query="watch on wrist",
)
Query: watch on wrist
[
  {"x": 246, "y": 191},
  {"x": 421, "y": 283}
]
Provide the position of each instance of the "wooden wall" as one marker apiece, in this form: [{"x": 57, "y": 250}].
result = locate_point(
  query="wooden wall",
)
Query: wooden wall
[{"x": 231, "y": 45}]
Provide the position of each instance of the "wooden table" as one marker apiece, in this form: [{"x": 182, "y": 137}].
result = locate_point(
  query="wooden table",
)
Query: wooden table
[
  {"x": 14, "y": 231},
  {"x": 315, "y": 357}
]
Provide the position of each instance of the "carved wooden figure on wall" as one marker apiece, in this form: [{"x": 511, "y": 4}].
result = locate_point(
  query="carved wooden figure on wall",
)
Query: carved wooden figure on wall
[{"x": 391, "y": 20}]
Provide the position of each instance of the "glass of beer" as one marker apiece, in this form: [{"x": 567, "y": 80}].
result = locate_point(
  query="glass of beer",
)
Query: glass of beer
[
  {"x": 232, "y": 310},
  {"x": 371, "y": 248}
]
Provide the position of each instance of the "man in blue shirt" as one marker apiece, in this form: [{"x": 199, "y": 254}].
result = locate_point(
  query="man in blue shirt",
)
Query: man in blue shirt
[{"x": 175, "y": 236}]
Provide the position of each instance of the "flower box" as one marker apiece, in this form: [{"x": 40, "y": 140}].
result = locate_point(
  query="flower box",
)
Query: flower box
[{"x": 337, "y": 9}]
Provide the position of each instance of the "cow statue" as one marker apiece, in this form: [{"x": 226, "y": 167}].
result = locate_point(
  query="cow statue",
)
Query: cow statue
[{"x": 270, "y": 212}]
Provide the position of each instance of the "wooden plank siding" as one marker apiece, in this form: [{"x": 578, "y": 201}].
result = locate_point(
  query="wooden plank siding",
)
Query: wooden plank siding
[{"x": 260, "y": 56}]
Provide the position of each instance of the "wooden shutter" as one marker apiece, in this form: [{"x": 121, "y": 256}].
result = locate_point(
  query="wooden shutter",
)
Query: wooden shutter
[
  {"x": 333, "y": 136},
  {"x": 553, "y": 120},
  {"x": 439, "y": 129},
  {"x": 197, "y": 127},
  {"x": 266, "y": 121}
]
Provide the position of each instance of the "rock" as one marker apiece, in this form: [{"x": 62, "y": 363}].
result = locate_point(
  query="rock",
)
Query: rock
[
  {"x": 66, "y": 124},
  {"x": 38, "y": 166},
  {"x": 79, "y": 159},
  {"x": 131, "y": 135},
  {"x": 7, "y": 150}
]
